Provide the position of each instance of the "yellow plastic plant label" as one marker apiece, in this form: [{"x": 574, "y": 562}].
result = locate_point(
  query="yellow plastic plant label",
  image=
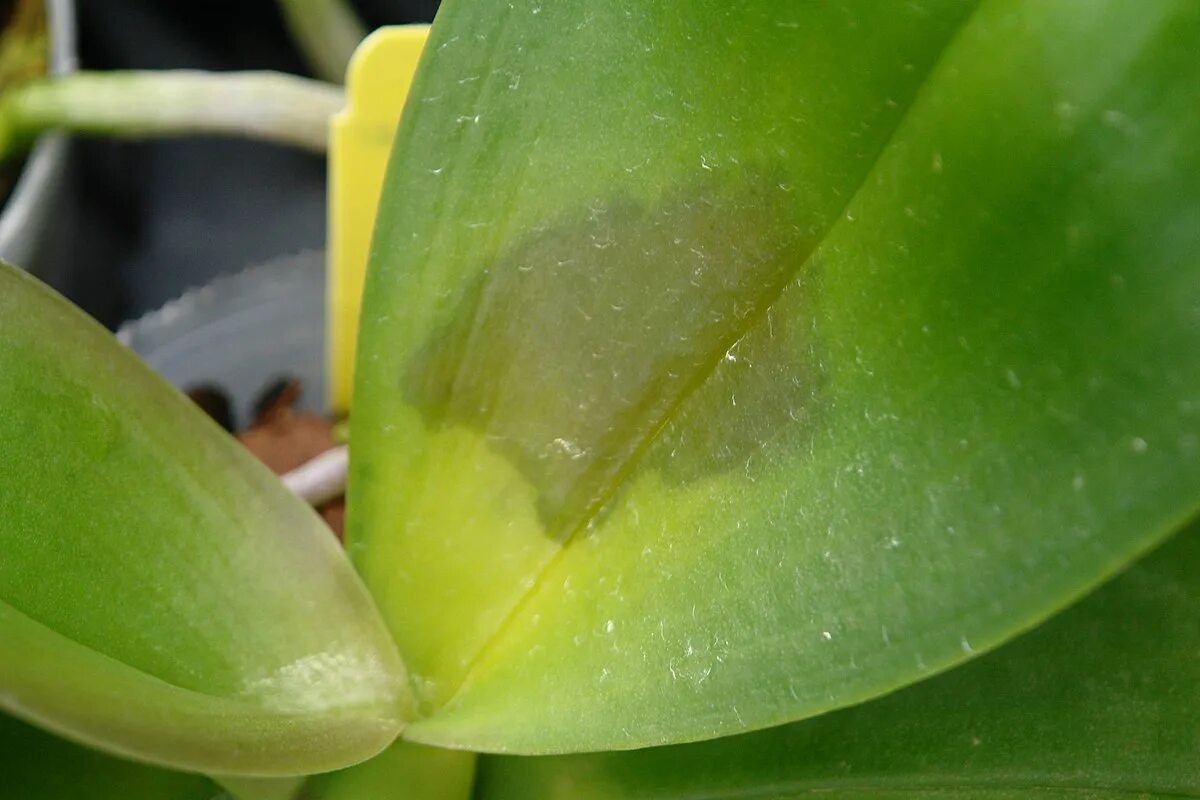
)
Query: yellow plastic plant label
[{"x": 359, "y": 144}]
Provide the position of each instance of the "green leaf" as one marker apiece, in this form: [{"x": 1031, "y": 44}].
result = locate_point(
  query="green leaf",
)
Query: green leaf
[
  {"x": 725, "y": 364},
  {"x": 35, "y": 765},
  {"x": 1098, "y": 703},
  {"x": 162, "y": 595}
]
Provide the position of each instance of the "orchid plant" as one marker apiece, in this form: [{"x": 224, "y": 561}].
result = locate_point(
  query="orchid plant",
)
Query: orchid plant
[{"x": 754, "y": 399}]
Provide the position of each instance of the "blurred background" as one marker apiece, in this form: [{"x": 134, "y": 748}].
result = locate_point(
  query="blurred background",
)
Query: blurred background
[{"x": 141, "y": 222}]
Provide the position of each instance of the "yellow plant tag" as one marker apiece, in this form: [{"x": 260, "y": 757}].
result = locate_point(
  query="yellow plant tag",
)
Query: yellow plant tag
[{"x": 360, "y": 141}]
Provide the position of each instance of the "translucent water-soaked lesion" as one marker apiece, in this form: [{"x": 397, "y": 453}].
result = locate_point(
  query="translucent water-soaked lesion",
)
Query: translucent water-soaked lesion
[
  {"x": 578, "y": 344},
  {"x": 764, "y": 394}
]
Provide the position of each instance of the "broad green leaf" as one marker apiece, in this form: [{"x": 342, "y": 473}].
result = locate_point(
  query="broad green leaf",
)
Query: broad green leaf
[
  {"x": 405, "y": 771},
  {"x": 35, "y": 765},
  {"x": 1100, "y": 702},
  {"x": 458, "y": 506},
  {"x": 729, "y": 363},
  {"x": 162, "y": 595}
]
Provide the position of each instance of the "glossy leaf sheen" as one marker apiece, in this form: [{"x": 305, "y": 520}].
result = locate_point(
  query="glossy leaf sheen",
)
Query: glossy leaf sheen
[
  {"x": 161, "y": 594},
  {"x": 1098, "y": 703},
  {"x": 725, "y": 364}
]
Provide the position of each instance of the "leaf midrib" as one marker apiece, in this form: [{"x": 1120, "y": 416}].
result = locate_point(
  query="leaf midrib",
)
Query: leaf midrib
[{"x": 749, "y": 323}]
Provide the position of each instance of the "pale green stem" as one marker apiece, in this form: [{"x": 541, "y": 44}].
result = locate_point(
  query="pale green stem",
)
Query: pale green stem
[
  {"x": 258, "y": 105},
  {"x": 260, "y": 788},
  {"x": 326, "y": 31}
]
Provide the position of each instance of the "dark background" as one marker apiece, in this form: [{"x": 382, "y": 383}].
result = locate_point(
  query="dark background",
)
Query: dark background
[{"x": 144, "y": 221}]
